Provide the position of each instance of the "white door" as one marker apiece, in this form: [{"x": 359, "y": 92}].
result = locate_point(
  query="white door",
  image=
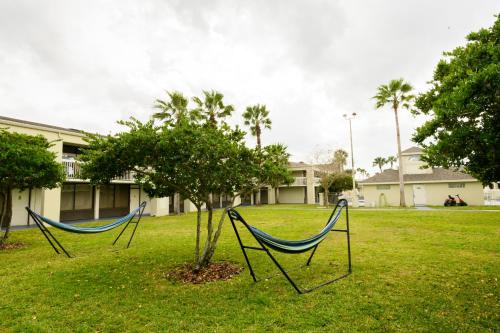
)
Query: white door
[
  {"x": 134, "y": 198},
  {"x": 419, "y": 198}
]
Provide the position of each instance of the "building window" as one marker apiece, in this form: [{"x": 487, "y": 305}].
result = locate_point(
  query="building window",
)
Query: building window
[
  {"x": 383, "y": 187},
  {"x": 456, "y": 185},
  {"x": 415, "y": 158}
]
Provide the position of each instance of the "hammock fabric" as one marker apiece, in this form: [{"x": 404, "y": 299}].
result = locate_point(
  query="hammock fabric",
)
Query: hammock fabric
[
  {"x": 87, "y": 230},
  {"x": 267, "y": 242},
  {"x": 56, "y": 245}
]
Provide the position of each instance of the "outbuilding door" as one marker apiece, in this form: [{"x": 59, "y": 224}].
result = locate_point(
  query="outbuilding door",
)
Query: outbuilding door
[{"x": 419, "y": 198}]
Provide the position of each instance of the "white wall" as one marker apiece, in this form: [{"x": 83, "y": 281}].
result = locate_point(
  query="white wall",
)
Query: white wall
[{"x": 292, "y": 194}]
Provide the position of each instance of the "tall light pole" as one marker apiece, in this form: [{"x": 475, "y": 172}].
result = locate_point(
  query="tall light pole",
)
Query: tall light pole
[{"x": 354, "y": 194}]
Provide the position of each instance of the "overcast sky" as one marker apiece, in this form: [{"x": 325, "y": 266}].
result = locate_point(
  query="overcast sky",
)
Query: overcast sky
[{"x": 86, "y": 64}]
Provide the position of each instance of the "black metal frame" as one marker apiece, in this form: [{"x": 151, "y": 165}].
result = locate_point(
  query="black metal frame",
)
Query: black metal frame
[
  {"x": 56, "y": 244},
  {"x": 285, "y": 273}
]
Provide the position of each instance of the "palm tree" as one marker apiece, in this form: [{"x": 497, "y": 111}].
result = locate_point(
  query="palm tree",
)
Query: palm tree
[
  {"x": 380, "y": 162},
  {"x": 174, "y": 110},
  {"x": 212, "y": 107},
  {"x": 391, "y": 160},
  {"x": 363, "y": 172},
  {"x": 340, "y": 158},
  {"x": 257, "y": 118},
  {"x": 396, "y": 94}
]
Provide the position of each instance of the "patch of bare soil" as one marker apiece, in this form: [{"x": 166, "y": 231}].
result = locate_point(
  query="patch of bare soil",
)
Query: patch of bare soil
[
  {"x": 217, "y": 271},
  {"x": 11, "y": 246}
]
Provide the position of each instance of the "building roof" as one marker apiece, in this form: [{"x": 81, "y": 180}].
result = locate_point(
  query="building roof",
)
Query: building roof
[
  {"x": 297, "y": 164},
  {"x": 412, "y": 150},
  {"x": 40, "y": 124},
  {"x": 437, "y": 175}
]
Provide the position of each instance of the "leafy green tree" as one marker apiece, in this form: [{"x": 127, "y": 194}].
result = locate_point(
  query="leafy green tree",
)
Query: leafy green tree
[
  {"x": 257, "y": 118},
  {"x": 397, "y": 94},
  {"x": 340, "y": 182},
  {"x": 391, "y": 160},
  {"x": 25, "y": 162},
  {"x": 192, "y": 159},
  {"x": 274, "y": 167},
  {"x": 212, "y": 108},
  {"x": 464, "y": 106},
  {"x": 380, "y": 162}
]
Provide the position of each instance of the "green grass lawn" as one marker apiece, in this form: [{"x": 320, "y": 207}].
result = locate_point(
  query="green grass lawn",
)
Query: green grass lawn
[{"x": 413, "y": 271}]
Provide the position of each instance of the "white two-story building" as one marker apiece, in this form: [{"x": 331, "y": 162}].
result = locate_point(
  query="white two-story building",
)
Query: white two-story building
[{"x": 76, "y": 199}]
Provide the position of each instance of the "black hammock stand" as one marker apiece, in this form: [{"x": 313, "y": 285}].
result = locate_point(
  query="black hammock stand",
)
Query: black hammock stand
[
  {"x": 56, "y": 245},
  {"x": 267, "y": 242}
]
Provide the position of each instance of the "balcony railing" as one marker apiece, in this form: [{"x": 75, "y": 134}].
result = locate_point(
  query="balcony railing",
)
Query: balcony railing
[
  {"x": 72, "y": 169},
  {"x": 302, "y": 181}
]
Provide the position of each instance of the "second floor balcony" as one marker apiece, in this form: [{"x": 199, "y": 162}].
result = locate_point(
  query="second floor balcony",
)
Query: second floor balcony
[
  {"x": 302, "y": 181},
  {"x": 72, "y": 169}
]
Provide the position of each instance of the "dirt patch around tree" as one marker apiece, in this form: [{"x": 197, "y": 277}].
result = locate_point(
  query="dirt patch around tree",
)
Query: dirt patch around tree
[
  {"x": 11, "y": 246},
  {"x": 217, "y": 271}
]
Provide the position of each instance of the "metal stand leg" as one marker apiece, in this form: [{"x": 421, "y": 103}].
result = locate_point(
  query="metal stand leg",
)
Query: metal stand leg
[
  {"x": 140, "y": 212},
  {"x": 48, "y": 235},
  {"x": 236, "y": 216}
]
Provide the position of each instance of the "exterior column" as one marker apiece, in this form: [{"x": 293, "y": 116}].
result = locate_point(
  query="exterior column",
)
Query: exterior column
[
  {"x": 97, "y": 199},
  {"x": 310, "y": 186},
  {"x": 51, "y": 203}
]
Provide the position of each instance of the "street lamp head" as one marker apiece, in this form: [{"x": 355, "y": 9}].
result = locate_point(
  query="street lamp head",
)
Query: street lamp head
[{"x": 354, "y": 114}]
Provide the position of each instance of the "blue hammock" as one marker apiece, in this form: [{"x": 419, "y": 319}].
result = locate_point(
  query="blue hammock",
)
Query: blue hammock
[
  {"x": 297, "y": 246},
  {"x": 267, "y": 242},
  {"x": 127, "y": 219}
]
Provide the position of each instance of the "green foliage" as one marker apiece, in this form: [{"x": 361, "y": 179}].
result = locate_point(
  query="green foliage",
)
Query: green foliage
[
  {"x": 363, "y": 172},
  {"x": 193, "y": 153},
  {"x": 391, "y": 160},
  {"x": 191, "y": 159},
  {"x": 212, "y": 109},
  {"x": 380, "y": 162},
  {"x": 340, "y": 158},
  {"x": 175, "y": 110},
  {"x": 396, "y": 93},
  {"x": 464, "y": 106},
  {"x": 256, "y": 118},
  {"x": 338, "y": 182},
  {"x": 25, "y": 162},
  {"x": 274, "y": 166}
]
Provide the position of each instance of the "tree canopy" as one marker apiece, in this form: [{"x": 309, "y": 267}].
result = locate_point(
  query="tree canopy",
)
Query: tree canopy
[
  {"x": 257, "y": 118},
  {"x": 464, "y": 105},
  {"x": 25, "y": 162},
  {"x": 196, "y": 157}
]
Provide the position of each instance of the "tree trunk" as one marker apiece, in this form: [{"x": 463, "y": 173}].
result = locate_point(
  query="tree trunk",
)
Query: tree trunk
[
  {"x": 211, "y": 242},
  {"x": 257, "y": 134},
  {"x": 198, "y": 231},
  {"x": 277, "y": 194},
  {"x": 177, "y": 203},
  {"x": 6, "y": 214},
  {"x": 402, "y": 201},
  {"x": 325, "y": 197},
  {"x": 202, "y": 262}
]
